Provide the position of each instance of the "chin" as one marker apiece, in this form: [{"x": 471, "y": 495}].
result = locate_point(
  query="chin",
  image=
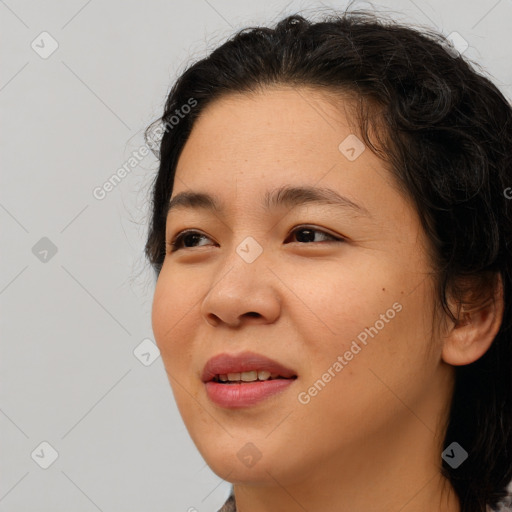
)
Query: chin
[
  {"x": 240, "y": 462},
  {"x": 232, "y": 458}
]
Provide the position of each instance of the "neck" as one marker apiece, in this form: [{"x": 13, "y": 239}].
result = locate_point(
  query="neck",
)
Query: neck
[{"x": 433, "y": 492}]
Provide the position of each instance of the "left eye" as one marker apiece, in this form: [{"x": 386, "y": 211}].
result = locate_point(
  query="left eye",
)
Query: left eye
[{"x": 308, "y": 235}]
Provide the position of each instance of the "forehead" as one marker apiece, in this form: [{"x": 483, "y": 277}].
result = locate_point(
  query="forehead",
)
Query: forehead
[
  {"x": 244, "y": 145},
  {"x": 285, "y": 130},
  {"x": 277, "y": 118}
]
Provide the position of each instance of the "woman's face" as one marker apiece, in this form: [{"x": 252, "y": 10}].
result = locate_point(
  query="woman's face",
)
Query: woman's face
[{"x": 339, "y": 293}]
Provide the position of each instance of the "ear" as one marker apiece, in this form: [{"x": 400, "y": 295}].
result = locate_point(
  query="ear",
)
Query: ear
[{"x": 472, "y": 335}]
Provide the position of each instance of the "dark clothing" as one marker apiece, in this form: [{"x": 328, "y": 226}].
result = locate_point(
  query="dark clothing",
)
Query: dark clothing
[{"x": 230, "y": 505}]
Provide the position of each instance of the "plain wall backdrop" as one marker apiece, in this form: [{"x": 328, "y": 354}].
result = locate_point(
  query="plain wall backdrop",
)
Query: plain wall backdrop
[{"x": 87, "y": 417}]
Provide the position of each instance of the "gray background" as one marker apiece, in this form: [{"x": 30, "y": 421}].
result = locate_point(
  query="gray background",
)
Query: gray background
[{"x": 71, "y": 320}]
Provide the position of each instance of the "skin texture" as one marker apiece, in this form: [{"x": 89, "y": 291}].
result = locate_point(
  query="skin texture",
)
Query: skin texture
[{"x": 371, "y": 439}]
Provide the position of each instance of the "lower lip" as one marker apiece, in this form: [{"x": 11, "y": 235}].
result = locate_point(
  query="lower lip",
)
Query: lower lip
[{"x": 246, "y": 394}]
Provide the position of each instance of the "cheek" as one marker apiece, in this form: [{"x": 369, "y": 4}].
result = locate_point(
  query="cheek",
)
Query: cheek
[
  {"x": 170, "y": 313},
  {"x": 374, "y": 319},
  {"x": 343, "y": 308},
  {"x": 171, "y": 310},
  {"x": 362, "y": 388}
]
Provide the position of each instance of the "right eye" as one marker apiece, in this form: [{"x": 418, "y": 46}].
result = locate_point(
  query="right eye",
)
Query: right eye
[{"x": 188, "y": 235}]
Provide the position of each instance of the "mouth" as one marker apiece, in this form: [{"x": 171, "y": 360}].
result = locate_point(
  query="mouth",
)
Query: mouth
[
  {"x": 244, "y": 367},
  {"x": 243, "y": 380},
  {"x": 245, "y": 377}
]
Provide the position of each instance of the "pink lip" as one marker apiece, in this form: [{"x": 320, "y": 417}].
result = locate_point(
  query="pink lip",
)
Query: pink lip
[
  {"x": 234, "y": 396},
  {"x": 222, "y": 364},
  {"x": 248, "y": 393}
]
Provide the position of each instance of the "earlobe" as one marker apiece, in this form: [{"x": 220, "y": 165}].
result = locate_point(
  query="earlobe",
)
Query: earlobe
[{"x": 469, "y": 339}]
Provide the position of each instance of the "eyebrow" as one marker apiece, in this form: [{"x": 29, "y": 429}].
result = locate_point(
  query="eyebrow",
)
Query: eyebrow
[{"x": 283, "y": 196}]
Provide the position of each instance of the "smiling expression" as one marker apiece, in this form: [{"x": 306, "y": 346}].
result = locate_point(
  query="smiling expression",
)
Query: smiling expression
[{"x": 292, "y": 250}]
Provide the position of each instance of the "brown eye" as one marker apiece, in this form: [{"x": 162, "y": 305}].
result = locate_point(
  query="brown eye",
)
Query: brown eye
[
  {"x": 306, "y": 234},
  {"x": 184, "y": 237}
]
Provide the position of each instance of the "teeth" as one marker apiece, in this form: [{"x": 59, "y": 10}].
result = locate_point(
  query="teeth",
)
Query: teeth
[{"x": 251, "y": 376}]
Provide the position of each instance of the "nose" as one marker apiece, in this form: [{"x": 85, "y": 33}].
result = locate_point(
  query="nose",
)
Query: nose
[{"x": 242, "y": 293}]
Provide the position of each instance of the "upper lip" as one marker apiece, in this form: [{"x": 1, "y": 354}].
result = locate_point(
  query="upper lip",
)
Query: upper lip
[{"x": 222, "y": 364}]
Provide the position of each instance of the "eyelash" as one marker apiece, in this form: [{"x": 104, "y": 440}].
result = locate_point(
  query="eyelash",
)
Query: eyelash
[{"x": 175, "y": 244}]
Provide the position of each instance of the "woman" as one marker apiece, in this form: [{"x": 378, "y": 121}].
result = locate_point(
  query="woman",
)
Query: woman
[{"x": 367, "y": 368}]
